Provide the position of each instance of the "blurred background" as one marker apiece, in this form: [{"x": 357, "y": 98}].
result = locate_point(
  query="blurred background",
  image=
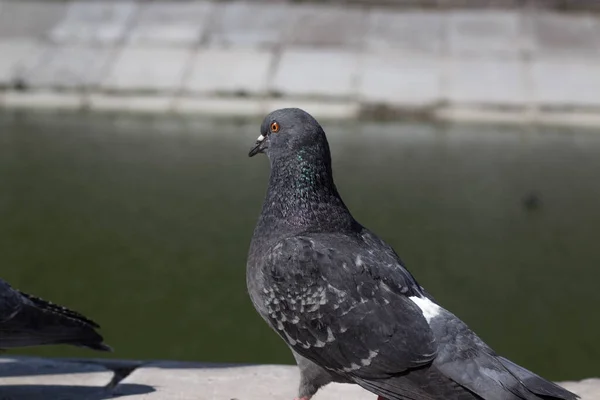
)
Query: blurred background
[{"x": 465, "y": 133}]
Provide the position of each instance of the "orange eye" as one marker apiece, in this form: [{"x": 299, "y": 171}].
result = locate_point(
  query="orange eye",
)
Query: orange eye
[{"x": 274, "y": 127}]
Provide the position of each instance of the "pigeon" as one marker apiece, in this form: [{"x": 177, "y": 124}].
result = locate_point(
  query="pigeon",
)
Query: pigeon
[
  {"x": 343, "y": 301},
  {"x": 26, "y": 321}
]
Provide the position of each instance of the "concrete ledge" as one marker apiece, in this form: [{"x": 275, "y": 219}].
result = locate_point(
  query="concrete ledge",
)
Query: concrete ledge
[
  {"x": 43, "y": 100},
  {"x": 228, "y": 58},
  {"x": 220, "y": 107},
  {"x": 141, "y": 104},
  {"x": 519, "y": 116},
  {"x": 95, "y": 379},
  {"x": 257, "y": 107}
]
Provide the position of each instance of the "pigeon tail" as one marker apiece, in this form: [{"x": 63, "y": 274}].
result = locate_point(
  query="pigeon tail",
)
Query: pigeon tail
[{"x": 536, "y": 384}]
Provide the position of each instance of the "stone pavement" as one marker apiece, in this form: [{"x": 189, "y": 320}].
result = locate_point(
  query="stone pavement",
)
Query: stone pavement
[
  {"x": 36, "y": 379},
  {"x": 26, "y": 378},
  {"x": 244, "y": 57}
]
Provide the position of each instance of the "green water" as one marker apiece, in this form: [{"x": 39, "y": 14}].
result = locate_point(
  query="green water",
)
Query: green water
[{"x": 143, "y": 224}]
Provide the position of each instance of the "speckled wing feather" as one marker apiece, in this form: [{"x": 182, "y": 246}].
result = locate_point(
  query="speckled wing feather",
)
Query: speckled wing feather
[
  {"x": 345, "y": 308},
  {"x": 26, "y": 320}
]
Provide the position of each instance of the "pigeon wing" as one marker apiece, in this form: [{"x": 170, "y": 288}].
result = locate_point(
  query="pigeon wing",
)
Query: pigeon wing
[{"x": 328, "y": 300}]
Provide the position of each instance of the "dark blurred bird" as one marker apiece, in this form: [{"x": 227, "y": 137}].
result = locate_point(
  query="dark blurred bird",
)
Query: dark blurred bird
[
  {"x": 26, "y": 320},
  {"x": 532, "y": 201},
  {"x": 342, "y": 300}
]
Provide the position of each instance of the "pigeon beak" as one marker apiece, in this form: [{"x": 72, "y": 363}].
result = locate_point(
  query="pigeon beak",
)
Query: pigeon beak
[{"x": 259, "y": 147}]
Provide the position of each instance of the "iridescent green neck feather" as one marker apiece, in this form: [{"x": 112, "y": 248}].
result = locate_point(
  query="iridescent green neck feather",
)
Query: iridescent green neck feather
[{"x": 302, "y": 196}]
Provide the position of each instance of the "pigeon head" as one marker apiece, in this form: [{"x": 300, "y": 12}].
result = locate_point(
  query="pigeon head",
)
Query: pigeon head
[
  {"x": 301, "y": 194},
  {"x": 290, "y": 131}
]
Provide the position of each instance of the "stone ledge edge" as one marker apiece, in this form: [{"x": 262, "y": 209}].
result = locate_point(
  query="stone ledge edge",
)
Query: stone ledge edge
[
  {"x": 215, "y": 106},
  {"x": 127, "y": 372}
]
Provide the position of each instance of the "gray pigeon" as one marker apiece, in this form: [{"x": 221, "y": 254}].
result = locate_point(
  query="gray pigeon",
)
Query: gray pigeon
[
  {"x": 342, "y": 300},
  {"x": 26, "y": 320}
]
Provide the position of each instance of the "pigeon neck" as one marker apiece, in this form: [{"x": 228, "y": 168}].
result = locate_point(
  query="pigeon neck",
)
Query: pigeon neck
[{"x": 302, "y": 196}]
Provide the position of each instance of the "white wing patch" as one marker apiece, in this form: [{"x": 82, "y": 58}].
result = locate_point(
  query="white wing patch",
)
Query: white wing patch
[
  {"x": 359, "y": 261},
  {"x": 352, "y": 367},
  {"x": 367, "y": 361},
  {"x": 429, "y": 308},
  {"x": 330, "y": 337}
]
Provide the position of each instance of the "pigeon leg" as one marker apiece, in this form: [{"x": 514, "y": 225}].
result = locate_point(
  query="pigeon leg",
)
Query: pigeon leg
[{"x": 381, "y": 398}]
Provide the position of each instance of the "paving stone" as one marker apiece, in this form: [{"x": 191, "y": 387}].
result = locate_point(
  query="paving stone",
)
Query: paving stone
[
  {"x": 148, "y": 69},
  {"x": 95, "y": 21},
  {"x": 182, "y": 381},
  {"x": 420, "y": 32},
  {"x": 246, "y": 24},
  {"x": 319, "y": 25},
  {"x": 18, "y": 56},
  {"x": 238, "y": 71},
  {"x": 29, "y": 19},
  {"x": 168, "y": 23},
  {"x": 316, "y": 73},
  {"x": 400, "y": 80},
  {"x": 37, "y": 379},
  {"x": 567, "y": 82},
  {"x": 565, "y": 34},
  {"x": 69, "y": 66},
  {"x": 476, "y": 33},
  {"x": 499, "y": 82}
]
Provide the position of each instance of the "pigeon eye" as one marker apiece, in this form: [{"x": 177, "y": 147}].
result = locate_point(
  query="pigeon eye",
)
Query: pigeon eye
[{"x": 274, "y": 127}]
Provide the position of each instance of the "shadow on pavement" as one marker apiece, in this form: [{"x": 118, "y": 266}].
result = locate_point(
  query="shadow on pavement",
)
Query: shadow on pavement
[{"x": 43, "y": 392}]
